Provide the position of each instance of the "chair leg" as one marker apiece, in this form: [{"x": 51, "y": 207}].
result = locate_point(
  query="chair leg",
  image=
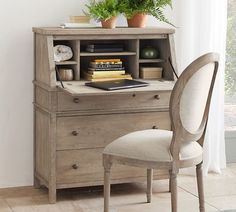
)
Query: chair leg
[
  {"x": 200, "y": 187},
  {"x": 173, "y": 188},
  {"x": 170, "y": 184},
  {"x": 107, "y": 186},
  {"x": 149, "y": 185}
]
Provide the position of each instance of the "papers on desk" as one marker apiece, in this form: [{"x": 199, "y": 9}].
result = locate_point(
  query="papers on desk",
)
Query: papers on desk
[{"x": 78, "y": 25}]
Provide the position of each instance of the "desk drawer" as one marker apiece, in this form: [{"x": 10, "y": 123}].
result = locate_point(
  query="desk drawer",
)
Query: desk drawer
[
  {"x": 99, "y": 130},
  {"x": 84, "y": 166},
  {"x": 114, "y": 101}
]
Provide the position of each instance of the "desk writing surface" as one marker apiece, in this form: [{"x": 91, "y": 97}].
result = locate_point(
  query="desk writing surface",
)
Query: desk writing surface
[{"x": 75, "y": 88}]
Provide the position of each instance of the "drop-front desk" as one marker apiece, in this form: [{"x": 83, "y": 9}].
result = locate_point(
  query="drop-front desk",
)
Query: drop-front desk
[{"x": 73, "y": 125}]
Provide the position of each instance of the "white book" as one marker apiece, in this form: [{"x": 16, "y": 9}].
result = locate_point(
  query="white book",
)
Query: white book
[{"x": 78, "y": 25}]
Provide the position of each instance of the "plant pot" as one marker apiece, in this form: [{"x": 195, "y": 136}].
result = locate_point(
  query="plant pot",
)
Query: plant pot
[
  {"x": 109, "y": 23},
  {"x": 138, "y": 20}
]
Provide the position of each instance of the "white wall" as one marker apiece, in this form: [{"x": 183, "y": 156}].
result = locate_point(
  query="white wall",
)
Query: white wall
[{"x": 16, "y": 75}]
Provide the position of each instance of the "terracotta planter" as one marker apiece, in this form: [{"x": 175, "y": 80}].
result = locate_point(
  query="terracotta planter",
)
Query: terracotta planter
[
  {"x": 138, "y": 20},
  {"x": 109, "y": 23}
]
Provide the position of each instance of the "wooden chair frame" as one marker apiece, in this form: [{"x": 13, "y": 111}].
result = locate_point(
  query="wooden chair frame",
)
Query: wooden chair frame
[{"x": 179, "y": 135}]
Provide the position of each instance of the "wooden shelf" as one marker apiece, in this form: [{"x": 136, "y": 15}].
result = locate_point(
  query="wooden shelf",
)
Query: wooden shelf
[
  {"x": 68, "y": 62},
  {"x": 88, "y": 54},
  {"x": 151, "y": 60}
]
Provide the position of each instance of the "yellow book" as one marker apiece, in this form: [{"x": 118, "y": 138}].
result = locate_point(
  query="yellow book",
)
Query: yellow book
[
  {"x": 107, "y": 60},
  {"x": 88, "y": 76},
  {"x": 93, "y": 63},
  {"x": 106, "y": 73},
  {"x": 108, "y": 79}
]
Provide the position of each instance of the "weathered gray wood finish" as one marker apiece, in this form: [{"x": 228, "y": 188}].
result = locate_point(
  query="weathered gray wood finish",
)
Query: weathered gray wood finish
[
  {"x": 78, "y": 132},
  {"x": 73, "y": 125}
]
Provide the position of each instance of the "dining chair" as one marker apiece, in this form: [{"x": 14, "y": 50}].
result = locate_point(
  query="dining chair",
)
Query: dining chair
[{"x": 171, "y": 150}]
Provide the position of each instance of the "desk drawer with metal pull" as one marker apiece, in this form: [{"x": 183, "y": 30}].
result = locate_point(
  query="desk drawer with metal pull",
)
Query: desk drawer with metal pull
[
  {"x": 85, "y": 166},
  {"x": 114, "y": 101},
  {"x": 93, "y": 131}
]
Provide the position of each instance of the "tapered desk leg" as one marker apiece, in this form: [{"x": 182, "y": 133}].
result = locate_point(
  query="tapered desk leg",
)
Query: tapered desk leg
[
  {"x": 36, "y": 182},
  {"x": 52, "y": 194}
]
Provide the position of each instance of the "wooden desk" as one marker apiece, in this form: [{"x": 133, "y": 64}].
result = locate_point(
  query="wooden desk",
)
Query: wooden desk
[{"x": 73, "y": 125}]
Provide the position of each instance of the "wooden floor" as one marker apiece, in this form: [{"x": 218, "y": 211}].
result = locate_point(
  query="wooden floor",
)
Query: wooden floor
[{"x": 220, "y": 191}]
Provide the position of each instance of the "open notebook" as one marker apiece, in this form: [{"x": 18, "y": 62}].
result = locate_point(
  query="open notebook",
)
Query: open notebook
[{"x": 117, "y": 84}]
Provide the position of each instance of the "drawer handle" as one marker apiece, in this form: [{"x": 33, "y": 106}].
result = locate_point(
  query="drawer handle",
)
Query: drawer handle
[
  {"x": 134, "y": 95},
  {"x": 155, "y": 127},
  {"x": 157, "y": 97},
  {"x": 76, "y": 100},
  {"x": 75, "y": 166},
  {"x": 75, "y": 133}
]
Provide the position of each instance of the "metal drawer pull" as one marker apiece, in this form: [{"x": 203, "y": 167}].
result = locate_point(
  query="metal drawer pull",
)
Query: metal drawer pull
[
  {"x": 75, "y": 166},
  {"x": 76, "y": 100},
  {"x": 134, "y": 95},
  {"x": 75, "y": 133},
  {"x": 157, "y": 97},
  {"x": 155, "y": 127}
]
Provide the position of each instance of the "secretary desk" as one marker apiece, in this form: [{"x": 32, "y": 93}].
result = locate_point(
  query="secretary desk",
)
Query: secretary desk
[{"x": 73, "y": 124}]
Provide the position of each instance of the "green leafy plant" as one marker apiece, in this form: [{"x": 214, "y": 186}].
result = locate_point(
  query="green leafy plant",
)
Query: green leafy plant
[
  {"x": 149, "y": 7},
  {"x": 102, "y": 10}
]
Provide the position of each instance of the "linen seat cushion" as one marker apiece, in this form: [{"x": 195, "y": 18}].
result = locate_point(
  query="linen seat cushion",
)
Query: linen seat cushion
[{"x": 150, "y": 145}]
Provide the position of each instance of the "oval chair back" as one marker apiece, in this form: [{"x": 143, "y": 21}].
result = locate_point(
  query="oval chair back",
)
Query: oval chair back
[{"x": 190, "y": 102}]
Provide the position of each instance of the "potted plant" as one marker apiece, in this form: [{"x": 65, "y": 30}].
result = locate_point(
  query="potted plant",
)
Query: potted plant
[
  {"x": 105, "y": 11},
  {"x": 136, "y": 11}
]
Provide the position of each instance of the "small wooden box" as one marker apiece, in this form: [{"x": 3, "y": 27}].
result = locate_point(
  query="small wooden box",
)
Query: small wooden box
[{"x": 151, "y": 72}]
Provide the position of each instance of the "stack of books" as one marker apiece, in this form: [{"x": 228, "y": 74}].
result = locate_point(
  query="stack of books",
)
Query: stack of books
[
  {"x": 106, "y": 69},
  {"x": 78, "y": 22},
  {"x": 105, "y": 47}
]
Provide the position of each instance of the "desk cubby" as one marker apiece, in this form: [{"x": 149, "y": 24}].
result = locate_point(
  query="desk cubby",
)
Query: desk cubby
[{"x": 73, "y": 124}]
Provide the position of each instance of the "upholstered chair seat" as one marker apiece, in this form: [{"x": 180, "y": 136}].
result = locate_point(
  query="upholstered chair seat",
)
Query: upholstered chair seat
[{"x": 151, "y": 145}]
